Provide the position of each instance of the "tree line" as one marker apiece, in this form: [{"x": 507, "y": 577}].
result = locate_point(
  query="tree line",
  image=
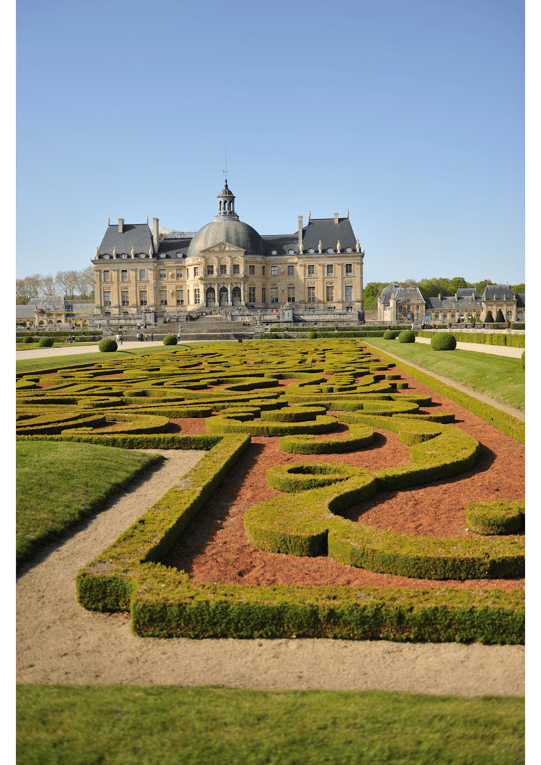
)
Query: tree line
[
  {"x": 431, "y": 288},
  {"x": 74, "y": 285}
]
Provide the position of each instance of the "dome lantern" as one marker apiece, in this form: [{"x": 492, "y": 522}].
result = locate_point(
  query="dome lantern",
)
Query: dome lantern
[{"x": 226, "y": 204}]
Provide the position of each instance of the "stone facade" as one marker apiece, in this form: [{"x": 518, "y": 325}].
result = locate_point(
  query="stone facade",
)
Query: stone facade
[
  {"x": 406, "y": 304},
  {"x": 143, "y": 273}
]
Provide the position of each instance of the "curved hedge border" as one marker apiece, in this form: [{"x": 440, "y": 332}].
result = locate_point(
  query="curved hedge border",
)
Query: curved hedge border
[
  {"x": 361, "y": 436},
  {"x": 496, "y": 517}
]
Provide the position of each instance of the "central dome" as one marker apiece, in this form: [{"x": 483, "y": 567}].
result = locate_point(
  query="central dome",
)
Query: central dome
[
  {"x": 231, "y": 231},
  {"x": 226, "y": 227}
]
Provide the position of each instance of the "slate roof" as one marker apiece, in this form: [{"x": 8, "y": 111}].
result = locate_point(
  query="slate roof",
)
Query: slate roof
[
  {"x": 521, "y": 300},
  {"x": 282, "y": 243},
  {"x": 498, "y": 292},
  {"x": 174, "y": 248},
  {"x": 330, "y": 233},
  {"x": 467, "y": 292},
  {"x": 136, "y": 235},
  {"x": 400, "y": 293}
]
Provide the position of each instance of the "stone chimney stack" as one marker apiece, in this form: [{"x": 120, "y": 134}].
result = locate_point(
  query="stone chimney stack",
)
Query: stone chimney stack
[
  {"x": 336, "y": 217},
  {"x": 156, "y": 234},
  {"x": 121, "y": 225},
  {"x": 300, "y": 232}
]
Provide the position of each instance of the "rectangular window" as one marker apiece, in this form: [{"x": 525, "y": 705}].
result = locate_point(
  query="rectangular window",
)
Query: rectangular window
[
  {"x": 106, "y": 297},
  {"x": 330, "y": 269},
  {"x": 223, "y": 270},
  {"x": 348, "y": 293},
  {"x": 291, "y": 294},
  {"x": 236, "y": 268},
  {"x": 251, "y": 270},
  {"x": 263, "y": 295},
  {"x": 124, "y": 276},
  {"x": 291, "y": 270},
  {"x": 349, "y": 268},
  {"x": 196, "y": 271},
  {"x": 251, "y": 294},
  {"x": 274, "y": 270},
  {"x": 163, "y": 297},
  {"x": 142, "y": 274},
  {"x": 196, "y": 298},
  {"x": 262, "y": 270},
  {"x": 311, "y": 294},
  {"x": 163, "y": 273},
  {"x": 179, "y": 273},
  {"x": 180, "y": 297},
  {"x": 311, "y": 270},
  {"x": 142, "y": 297},
  {"x": 274, "y": 294},
  {"x": 329, "y": 293},
  {"x": 125, "y": 298},
  {"x": 106, "y": 276},
  {"x": 210, "y": 270}
]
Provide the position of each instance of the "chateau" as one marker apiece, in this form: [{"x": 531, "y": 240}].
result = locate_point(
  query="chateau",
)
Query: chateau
[{"x": 145, "y": 273}]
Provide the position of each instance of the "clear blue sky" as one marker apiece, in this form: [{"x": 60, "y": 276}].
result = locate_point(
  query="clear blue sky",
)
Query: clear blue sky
[{"x": 409, "y": 113}]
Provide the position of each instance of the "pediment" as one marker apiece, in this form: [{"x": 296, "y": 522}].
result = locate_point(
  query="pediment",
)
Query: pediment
[{"x": 223, "y": 247}]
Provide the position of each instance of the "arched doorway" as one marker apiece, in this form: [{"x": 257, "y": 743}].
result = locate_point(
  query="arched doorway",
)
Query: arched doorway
[
  {"x": 236, "y": 296},
  {"x": 223, "y": 296},
  {"x": 211, "y": 296}
]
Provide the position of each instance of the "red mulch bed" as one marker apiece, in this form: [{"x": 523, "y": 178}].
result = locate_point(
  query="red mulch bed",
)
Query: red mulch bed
[{"x": 214, "y": 547}]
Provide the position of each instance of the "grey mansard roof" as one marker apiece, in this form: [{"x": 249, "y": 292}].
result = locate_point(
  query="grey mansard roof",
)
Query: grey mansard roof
[
  {"x": 136, "y": 235},
  {"x": 400, "y": 293},
  {"x": 498, "y": 292},
  {"x": 330, "y": 233}
]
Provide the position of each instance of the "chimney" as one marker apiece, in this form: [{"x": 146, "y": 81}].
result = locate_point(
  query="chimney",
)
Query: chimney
[
  {"x": 300, "y": 232},
  {"x": 439, "y": 297},
  {"x": 121, "y": 225},
  {"x": 336, "y": 217},
  {"x": 156, "y": 234}
]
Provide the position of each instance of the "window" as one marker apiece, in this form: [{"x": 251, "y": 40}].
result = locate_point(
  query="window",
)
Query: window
[
  {"x": 142, "y": 274},
  {"x": 251, "y": 294},
  {"x": 124, "y": 297},
  {"x": 236, "y": 268},
  {"x": 274, "y": 270},
  {"x": 106, "y": 276},
  {"x": 142, "y": 297},
  {"x": 210, "y": 270},
  {"x": 195, "y": 271},
  {"x": 179, "y": 273},
  {"x": 251, "y": 270},
  {"x": 263, "y": 270},
  {"x": 163, "y": 273},
  {"x": 180, "y": 297},
  {"x": 291, "y": 270},
  {"x": 263, "y": 295},
  {"x": 223, "y": 270},
  {"x": 196, "y": 298},
  {"x": 329, "y": 293},
  {"x": 348, "y": 293},
  {"x": 291, "y": 294},
  {"x": 311, "y": 294},
  {"x": 106, "y": 297},
  {"x": 274, "y": 294},
  {"x": 163, "y": 297},
  {"x": 311, "y": 270},
  {"x": 349, "y": 268},
  {"x": 330, "y": 269},
  {"x": 124, "y": 276}
]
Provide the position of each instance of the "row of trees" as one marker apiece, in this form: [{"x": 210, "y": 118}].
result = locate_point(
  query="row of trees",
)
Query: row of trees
[
  {"x": 74, "y": 285},
  {"x": 431, "y": 288}
]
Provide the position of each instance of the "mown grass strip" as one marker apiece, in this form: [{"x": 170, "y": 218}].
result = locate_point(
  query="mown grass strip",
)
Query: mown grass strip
[{"x": 214, "y": 725}]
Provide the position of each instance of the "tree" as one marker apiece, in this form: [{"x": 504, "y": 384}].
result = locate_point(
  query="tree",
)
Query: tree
[
  {"x": 481, "y": 286},
  {"x": 48, "y": 286},
  {"x": 67, "y": 281},
  {"x": 27, "y": 288},
  {"x": 489, "y": 318},
  {"x": 371, "y": 293},
  {"x": 499, "y": 316},
  {"x": 519, "y": 289}
]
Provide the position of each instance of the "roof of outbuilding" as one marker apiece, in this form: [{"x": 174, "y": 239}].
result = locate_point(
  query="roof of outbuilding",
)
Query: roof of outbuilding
[
  {"x": 498, "y": 292},
  {"x": 330, "y": 233}
]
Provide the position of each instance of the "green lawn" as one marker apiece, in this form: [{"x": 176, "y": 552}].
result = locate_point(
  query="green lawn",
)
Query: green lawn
[
  {"x": 168, "y": 725},
  {"x": 61, "y": 482},
  {"x": 500, "y": 377}
]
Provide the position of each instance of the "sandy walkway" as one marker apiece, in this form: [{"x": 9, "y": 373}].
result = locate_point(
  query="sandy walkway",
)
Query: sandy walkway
[{"x": 60, "y": 642}]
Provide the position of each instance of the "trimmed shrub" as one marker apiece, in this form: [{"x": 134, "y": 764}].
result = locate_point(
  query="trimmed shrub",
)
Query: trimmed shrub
[
  {"x": 496, "y": 516},
  {"x": 28, "y": 339},
  {"x": 107, "y": 345},
  {"x": 312, "y": 335},
  {"x": 489, "y": 317},
  {"x": 406, "y": 336},
  {"x": 46, "y": 342},
  {"x": 443, "y": 341},
  {"x": 499, "y": 316},
  {"x": 169, "y": 340},
  {"x": 390, "y": 335}
]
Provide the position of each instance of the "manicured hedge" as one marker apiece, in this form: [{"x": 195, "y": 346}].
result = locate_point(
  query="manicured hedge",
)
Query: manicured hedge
[
  {"x": 107, "y": 345},
  {"x": 483, "y": 338},
  {"x": 443, "y": 341},
  {"x": 407, "y": 336},
  {"x": 496, "y": 516},
  {"x": 46, "y": 342}
]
